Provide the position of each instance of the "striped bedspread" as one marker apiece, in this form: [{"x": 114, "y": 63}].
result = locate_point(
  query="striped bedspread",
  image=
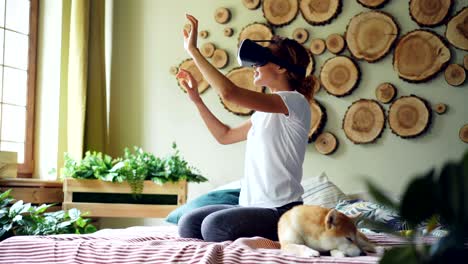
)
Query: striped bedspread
[{"x": 159, "y": 244}]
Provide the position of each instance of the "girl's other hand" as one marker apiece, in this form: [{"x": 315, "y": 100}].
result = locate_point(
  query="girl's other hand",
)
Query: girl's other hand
[
  {"x": 190, "y": 38},
  {"x": 190, "y": 85}
]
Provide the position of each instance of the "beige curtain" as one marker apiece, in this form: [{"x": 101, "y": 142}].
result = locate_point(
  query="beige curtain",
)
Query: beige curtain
[{"x": 83, "y": 124}]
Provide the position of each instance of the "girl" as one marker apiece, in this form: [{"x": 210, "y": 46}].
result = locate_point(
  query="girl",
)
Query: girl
[{"x": 276, "y": 137}]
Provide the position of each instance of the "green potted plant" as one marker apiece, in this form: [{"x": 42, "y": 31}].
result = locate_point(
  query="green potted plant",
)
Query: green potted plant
[{"x": 432, "y": 198}]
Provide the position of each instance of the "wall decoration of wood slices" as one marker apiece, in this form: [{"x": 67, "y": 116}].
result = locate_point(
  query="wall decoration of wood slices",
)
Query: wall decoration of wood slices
[
  {"x": 465, "y": 62},
  {"x": 300, "y": 35},
  {"x": 326, "y": 143},
  {"x": 190, "y": 66},
  {"x": 228, "y": 31},
  {"x": 256, "y": 31},
  {"x": 222, "y": 15},
  {"x": 207, "y": 49},
  {"x": 463, "y": 133},
  {"x": 280, "y": 12},
  {"x": 318, "y": 116},
  {"x": 370, "y": 35},
  {"x": 242, "y": 77},
  {"x": 311, "y": 67},
  {"x": 335, "y": 43},
  {"x": 251, "y": 4},
  {"x": 440, "y": 108},
  {"x": 203, "y": 34},
  {"x": 455, "y": 74},
  {"x": 317, "y": 46},
  {"x": 430, "y": 13},
  {"x": 420, "y": 55},
  {"x": 409, "y": 116},
  {"x": 173, "y": 70},
  {"x": 457, "y": 30},
  {"x": 339, "y": 76},
  {"x": 220, "y": 58},
  {"x": 364, "y": 121},
  {"x": 385, "y": 93},
  {"x": 320, "y": 12},
  {"x": 373, "y": 4},
  {"x": 315, "y": 85}
]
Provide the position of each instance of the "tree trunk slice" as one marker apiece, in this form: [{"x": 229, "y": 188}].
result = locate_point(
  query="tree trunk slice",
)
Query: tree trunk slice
[
  {"x": 373, "y": 4},
  {"x": 420, "y": 55},
  {"x": 242, "y": 77},
  {"x": 228, "y": 31},
  {"x": 203, "y": 34},
  {"x": 251, "y": 4},
  {"x": 339, "y": 76},
  {"x": 465, "y": 62},
  {"x": 220, "y": 58},
  {"x": 430, "y": 13},
  {"x": 190, "y": 66},
  {"x": 320, "y": 12},
  {"x": 280, "y": 12},
  {"x": 371, "y": 35},
  {"x": 207, "y": 50},
  {"x": 173, "y": 70},
  {"x": 316, "y": 85},
  {"x": 318, "y": 118},
  {"x": 256, "y": 31},
  {"x": 311, "y": 67},
  {"x": 222, "y": 15},
  {"x": 409, "y": 116},
  {"x": 457, "y": 30},
  {"x": 385, "y": 93},
  {"x": 300, "y": 35},
  {"x": 364, "y": 121},
  {"x": 463, "y": 134},
  {"x": 326, "y": 143},
  {"x": 335, "y": 43},
  {"x": 455, "y": 75},
  {"x": 440, "y": 108},
  {"x": 317, "y": 46}
]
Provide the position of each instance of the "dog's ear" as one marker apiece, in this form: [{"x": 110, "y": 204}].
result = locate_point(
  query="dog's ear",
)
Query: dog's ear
[{"x": 330, "y": 219}]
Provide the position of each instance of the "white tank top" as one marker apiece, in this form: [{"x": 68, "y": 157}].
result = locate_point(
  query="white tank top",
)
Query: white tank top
[{"x": 275, "y": 150}]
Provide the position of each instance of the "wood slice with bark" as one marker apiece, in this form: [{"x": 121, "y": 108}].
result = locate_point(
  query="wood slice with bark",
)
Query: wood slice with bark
[
  {"x": 311, "y": 67},
  {"x": 465, "y": 62},
  {"x": 320, "y": 12},
  {"x": 455, "y": 75},
  {"x": 251, "y": 4},
  {"x": 315, "y": 85},
  {"x": 409, "y": 116},
  {"x": 174, "y": 70},
  {"x": 457, "y": 30},
  {"x": 420, "y": 55},
  {"x": 370, "y": 35},
  {"x": 463, "y": 133},
  {"x": 430, "y": 13},
  {"x": 280, "y": 12},
  {"x": 317, "y": 46},
  {"x": 220, "y": 58},
  {"x": 242, "y": 77},
  {"x": 364, "y": 121},
  {"x": 190, "y": 66},
  {"x": 207, "y": 50},
  {"x": 256, "y": 31},
  {"x": 300, "y": 35},
  {"x": 385, "y": 92},
  {"x": 318, "y": 118},
  {"x": 326, "y": 143},
  {"x": 373, "y": 4},
  {"x": 228, "y": 31},
  {"x": 440, "y": 108},
  {"x": 222, "y": 15},
  {"x": 203, "y": 34},
  {"x": 339, "y": 76},
  {"x": 335, "y": 43}
]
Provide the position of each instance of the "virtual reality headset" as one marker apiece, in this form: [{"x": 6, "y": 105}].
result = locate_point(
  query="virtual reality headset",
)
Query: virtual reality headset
[{"x": 251, "y": 54}]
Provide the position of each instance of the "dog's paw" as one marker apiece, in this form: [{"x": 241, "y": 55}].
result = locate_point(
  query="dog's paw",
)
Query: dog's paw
[
  {"x": 379, "y": 250},
  {"x": 308, "y": 252},
  {"x": 337, "y": 253}
]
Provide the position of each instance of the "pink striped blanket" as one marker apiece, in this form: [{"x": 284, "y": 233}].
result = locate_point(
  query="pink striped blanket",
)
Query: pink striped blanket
[{"x": 159, "y": 244}]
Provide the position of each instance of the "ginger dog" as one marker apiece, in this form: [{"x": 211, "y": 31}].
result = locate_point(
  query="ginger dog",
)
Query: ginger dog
[{"x": 307, "y": 230}]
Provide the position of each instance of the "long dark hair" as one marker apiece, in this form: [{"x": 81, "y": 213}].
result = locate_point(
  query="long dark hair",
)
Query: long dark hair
[{"x": 294, "y": 53}]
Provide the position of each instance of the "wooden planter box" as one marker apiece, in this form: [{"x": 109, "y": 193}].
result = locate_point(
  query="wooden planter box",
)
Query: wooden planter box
[{"x": 77, "y": 193}]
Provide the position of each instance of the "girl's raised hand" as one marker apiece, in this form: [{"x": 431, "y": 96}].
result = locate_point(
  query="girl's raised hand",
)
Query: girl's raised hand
[
  {"x": 190, "y": 38},
  {"x": 190, "y": 84}
]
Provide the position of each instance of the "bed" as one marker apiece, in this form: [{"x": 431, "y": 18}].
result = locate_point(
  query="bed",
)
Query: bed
[{"x": 159, "y": 244}]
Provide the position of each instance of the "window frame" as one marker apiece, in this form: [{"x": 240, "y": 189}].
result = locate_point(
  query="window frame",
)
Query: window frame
[{"x": 26, "y": 169}]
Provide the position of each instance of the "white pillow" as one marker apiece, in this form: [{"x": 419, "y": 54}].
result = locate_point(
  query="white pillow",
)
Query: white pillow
[{"x": 321, "y": 191}]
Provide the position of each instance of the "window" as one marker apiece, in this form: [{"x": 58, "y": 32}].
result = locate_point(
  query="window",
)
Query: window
[{"x": 18, "y": 41}]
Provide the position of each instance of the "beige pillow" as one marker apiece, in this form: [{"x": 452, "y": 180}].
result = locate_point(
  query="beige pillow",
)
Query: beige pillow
[{"x": 321, "y": 191}]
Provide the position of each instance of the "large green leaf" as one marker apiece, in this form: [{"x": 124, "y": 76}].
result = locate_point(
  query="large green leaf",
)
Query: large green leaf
[
  {"x": 380, "y": 196},
  {"x": 401, "y": 255}
]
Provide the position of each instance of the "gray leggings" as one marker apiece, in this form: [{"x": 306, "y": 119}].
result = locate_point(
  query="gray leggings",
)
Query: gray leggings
[{"x": 216, "y": 223}]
